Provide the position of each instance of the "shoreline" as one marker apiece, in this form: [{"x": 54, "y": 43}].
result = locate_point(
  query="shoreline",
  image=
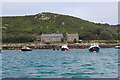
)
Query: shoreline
[{"x": 51, "y": 46}]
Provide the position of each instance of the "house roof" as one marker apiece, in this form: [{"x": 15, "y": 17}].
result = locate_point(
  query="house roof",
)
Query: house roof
[
  {"x": 51, "y": 35},
  {"x": 38, "y": 36}
]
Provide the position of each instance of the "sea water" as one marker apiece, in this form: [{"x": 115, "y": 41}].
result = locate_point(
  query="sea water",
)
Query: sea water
[{"x": 46, "y": 63}]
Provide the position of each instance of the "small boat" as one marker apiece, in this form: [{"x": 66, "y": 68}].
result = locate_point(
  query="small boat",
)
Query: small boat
[
  {"x": 25, "y": 48},
  {"x": 117, "y": 47},
  {"x": 55, "y": 48},
  {"x": 1, "y": 50},
  {"x": 64, "y": 48},
  {"x": 94, "y": 47}
]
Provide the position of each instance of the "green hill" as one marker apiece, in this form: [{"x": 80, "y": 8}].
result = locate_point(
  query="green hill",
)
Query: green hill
[{"x": 23, "y": 28}]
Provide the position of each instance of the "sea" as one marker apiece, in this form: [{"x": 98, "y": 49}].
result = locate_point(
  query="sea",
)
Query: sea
[{"x": 46, "y": 63}]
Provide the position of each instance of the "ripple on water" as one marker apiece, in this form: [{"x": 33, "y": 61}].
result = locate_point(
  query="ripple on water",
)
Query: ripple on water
[
  {"x": 43, "y": 66},
  {"x": 79, "y": 75},
  {"x": 84, "y": 65}
]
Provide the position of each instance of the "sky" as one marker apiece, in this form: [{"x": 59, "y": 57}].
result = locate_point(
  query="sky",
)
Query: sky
[
  {"x": 97, "y": 12},
  {"x": 60, "y": 0}
]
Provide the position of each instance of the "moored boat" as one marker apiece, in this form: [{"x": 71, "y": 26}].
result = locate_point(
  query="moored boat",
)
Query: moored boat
[
  {"x": 64, "y": 48},
  {"x": 1, "y": 50},
  {"x": 117, "y": 47},
  {"x": 55, "y": 48},
  {"x": 25, "y": 48},
  {"x": 94, "y": 47}
]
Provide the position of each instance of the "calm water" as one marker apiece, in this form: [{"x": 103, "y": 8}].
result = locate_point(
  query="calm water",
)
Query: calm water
[{"x": 75, "y": 63}]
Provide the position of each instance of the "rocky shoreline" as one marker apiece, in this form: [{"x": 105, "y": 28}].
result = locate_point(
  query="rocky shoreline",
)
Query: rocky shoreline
[{"x": 50, "y": 46}]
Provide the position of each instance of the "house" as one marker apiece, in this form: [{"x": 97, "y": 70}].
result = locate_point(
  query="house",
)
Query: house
[
  {"x": 51, "y": 37},
  {"x": 38, "y": 37},
  {"x": 72, "y": 37}
]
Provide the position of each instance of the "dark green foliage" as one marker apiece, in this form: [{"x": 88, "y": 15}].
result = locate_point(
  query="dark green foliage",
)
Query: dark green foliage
[
  {"x": 17, "y": 38},
  {"x": 106, "y": 35},
  {"x": 110, "y": 41},
  {"x": 75, "y": 41},
  {"x": 62, "y": 40},
  {"x": 118, "y": 36},
  {"x": 22, "y": 28}
]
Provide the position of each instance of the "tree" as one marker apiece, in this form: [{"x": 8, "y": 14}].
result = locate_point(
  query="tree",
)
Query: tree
[
  {"x": 62, "y": 39},
  {"x": 118, "y": 36},
  {"x": 105, "y": 35},
  {"x": 17, "y": 38},
  {"x": 75, "y": 40}
]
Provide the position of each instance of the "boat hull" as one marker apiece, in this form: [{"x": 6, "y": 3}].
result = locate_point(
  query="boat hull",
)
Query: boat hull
[
  {"x": 94, "y": 49},
  {"x": 1, "y": 50},
  {"x": 64, "y": 49},
  {"x": 55, "y": 49},
  {"x": 26, "y": 49},
  {"x": 118, "y": 47}
]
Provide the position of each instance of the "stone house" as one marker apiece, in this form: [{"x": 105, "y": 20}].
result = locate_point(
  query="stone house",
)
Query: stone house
[
  {"x": 72, "y": 37},
  {"x": 51, "y": 37}
]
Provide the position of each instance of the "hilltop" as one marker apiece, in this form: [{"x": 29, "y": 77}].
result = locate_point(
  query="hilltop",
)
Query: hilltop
[{"x": 24, "y": 28}]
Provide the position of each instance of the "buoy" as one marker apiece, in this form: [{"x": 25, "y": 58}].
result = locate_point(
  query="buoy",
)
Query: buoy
[
  {"x": 65, "y": 50},
  {"x": 21, "y": 51},
  {"x": 94, "y": 51},
  {"x": 55, "y": 49}
]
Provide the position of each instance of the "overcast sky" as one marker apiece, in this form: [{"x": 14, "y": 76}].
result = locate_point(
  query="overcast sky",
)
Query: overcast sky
[{"x": 98, "y": 12}]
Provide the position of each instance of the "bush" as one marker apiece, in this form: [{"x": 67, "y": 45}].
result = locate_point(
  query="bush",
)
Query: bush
[
  {"x": 110, "y": 41},
  {"x": 75, "y": 40},
  {"x": 17, "y": 38}
]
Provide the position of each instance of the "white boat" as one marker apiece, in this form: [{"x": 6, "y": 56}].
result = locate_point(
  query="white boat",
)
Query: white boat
[
  {"x": 1, "y": 50},
  {"x": 117, "y": 47},
  {"x": 64, "y": 48},
  {"x": 25, "y": 48},
  {"x": 94, "y": 47}
]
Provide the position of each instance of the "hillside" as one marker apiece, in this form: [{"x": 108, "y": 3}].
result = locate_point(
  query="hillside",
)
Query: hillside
[{"x": 23, "y": 28}]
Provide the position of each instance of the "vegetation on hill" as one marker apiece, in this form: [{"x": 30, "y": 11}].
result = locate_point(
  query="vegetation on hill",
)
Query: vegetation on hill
[{"x": 24, "y": 28}]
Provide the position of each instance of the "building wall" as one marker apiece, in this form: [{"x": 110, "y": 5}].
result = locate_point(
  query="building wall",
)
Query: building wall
[
  {"x": 51, "y": 38},
  {"x": 58, "y": 37},
  {"x": 72, "y": 37}
]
